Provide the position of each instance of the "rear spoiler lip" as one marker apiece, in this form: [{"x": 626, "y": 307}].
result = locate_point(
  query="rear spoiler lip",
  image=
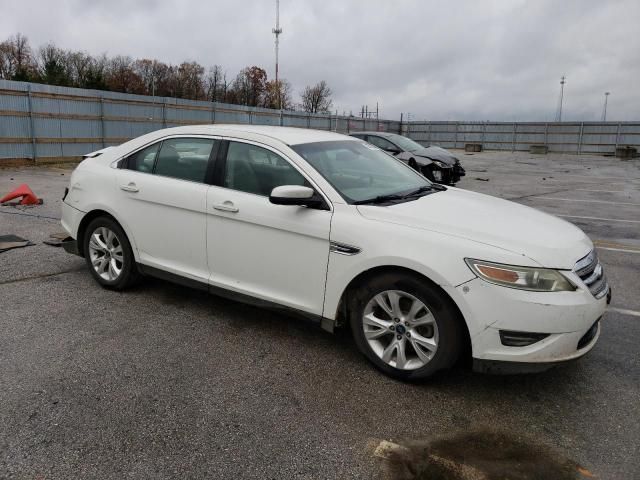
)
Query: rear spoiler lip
[{"x": 97, "y": 153}]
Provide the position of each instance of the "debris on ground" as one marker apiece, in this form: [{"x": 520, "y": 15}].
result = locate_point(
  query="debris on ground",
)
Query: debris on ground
[
  {"x": 56, "y": 239},
  {"x": 482, "y": 179},
  {"x": 26, "y": 195},
  {"x": 477, "y": 455},
  {"x": 7, "y": 242}
]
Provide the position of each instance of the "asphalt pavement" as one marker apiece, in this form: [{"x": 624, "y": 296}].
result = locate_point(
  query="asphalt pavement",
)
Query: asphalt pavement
[{"x": 166, "y": 382}]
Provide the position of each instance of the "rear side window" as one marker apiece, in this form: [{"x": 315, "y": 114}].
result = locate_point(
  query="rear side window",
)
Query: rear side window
[
  {"x": 257, "y": 170},
  {"x": 143, "y": 160},
  {"x": 184, "y": 158}
]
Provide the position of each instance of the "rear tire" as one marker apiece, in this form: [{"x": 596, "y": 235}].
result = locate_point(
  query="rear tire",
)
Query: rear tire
[
  {"x": 109, "y": 255},
  {"x": 408, "y": 328}
]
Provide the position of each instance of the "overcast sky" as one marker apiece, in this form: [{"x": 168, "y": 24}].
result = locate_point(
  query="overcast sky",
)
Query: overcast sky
[{"x": 439, "y": 60}]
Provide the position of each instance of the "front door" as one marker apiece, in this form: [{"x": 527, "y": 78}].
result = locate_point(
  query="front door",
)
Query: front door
[{"x": 274, "y": 252}]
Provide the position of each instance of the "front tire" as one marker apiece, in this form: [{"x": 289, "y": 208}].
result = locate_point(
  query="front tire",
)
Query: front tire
[
  {"x": 405, "y": 326},
  {"x": 108, "y": 254}
]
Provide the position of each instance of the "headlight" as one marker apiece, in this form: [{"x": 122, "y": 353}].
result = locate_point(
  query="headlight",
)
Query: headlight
[
  {"x": 524, "y": 278},
  {"x": 440, "y": 164}
]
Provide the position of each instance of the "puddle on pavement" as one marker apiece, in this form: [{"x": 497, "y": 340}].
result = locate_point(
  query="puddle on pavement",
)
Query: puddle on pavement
[{"x": 477, "y": 455}]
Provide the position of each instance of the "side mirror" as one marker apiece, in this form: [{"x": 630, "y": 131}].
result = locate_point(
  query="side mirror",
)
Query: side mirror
[
  {"x": 294, "y": 195},
  {"x": 394, "y": 151}
]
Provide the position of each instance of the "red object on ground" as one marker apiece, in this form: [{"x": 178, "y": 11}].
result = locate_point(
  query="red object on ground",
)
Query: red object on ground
[{"x": 28, "y": 197}]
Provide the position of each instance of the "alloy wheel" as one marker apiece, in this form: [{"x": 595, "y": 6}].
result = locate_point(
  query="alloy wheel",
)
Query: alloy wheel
[
  {"x": 400, "y": 329},
  {"x": 106, "y": 254}
]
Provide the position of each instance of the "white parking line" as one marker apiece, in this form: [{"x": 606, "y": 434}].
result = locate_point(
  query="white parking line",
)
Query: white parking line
[
  {"x": 618, "y": 249},
  {"x": 588, "y": 201},
  {"x": 624, "y": 311},
  {"x": 598, "y": 218}
]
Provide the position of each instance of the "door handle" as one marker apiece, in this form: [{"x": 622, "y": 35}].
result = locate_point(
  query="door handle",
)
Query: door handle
[
  {"x": 227, "y": 206},
  {"x": 131, "y": 187}
]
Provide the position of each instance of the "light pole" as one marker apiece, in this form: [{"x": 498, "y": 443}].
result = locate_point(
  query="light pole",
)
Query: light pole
[
  {"x": 604, "y": 109},
  {"x": 563, "y": 80}
]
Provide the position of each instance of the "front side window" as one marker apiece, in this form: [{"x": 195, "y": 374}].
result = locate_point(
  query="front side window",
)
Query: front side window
[
  {"x": 257, "y": 170},
  {"x": 142, "y": 160},
  {"x": 381, "y": 143},
  {"x": 360, "y": 171},
  {"x": 184, "y": 158}
]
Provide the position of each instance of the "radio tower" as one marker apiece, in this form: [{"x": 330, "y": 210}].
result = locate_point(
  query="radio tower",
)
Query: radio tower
[
  {"x": 563, "y": 80},
  {"x": 277, "y": 31}
]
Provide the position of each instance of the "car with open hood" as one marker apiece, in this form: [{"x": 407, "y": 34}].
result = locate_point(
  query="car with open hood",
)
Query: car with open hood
[
  {"x": 434, "y": 162},
  {"x": 330, "y": 227}
]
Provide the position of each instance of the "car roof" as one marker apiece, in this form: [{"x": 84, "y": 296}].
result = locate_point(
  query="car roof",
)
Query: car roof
[
  {"x": 287, "y": 135},
  {"x": 380, "y": 134}
]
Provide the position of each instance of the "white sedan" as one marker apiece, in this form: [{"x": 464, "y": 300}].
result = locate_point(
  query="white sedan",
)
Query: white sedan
[{"x": 333, "y": 228}]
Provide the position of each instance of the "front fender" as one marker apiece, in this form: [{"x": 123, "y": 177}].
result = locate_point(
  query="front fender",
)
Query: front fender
[
  {"x": 437, "y": 256},
  {"x": 421, "y": 161}
]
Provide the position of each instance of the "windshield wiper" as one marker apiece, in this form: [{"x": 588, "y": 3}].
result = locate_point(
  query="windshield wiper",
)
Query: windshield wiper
[
  {"x": 426, "y": 188},
  {"x": 380, "y": 199},
  {"x": 395, "y": 196}
]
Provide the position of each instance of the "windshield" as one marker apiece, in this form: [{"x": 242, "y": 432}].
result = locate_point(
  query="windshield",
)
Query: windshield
[
  {"x": 359, "y": 171},
  {"x": 404, "y": 143}
]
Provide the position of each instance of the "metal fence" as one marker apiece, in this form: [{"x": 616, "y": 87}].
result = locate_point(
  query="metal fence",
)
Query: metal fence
[
  {"x": 44, "y": 123},
  {"x": 564, "y": 137}
]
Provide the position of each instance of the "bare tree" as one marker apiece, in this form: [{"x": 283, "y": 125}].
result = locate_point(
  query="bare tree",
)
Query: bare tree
[
  {"x": 79, "y": 68},
  {"x": 317, "y": 99},
  {"x": 277, "y": 96},
  {"x": 16, "y": 60},
  {"x": 249, "y": 86},
  {"x": 6, "y": 60},
  {"x": 190, "y": 80},
  {"x": 121, "y": 76},
  {"x": 215, "y": 84}
]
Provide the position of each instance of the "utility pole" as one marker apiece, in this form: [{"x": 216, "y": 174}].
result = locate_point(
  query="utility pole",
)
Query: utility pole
[
  {"x": 563, "y": 80},
  {"x": 277, "y": 31},
  {"x": 604, "y": 109}
]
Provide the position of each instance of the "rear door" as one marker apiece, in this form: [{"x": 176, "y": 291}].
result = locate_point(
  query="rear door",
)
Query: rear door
[
  {"x": 162, "y": 193},
  {"x": 274, "y": 252}
]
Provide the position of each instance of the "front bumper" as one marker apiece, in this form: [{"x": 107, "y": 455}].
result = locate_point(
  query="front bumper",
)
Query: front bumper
[
  {"x": 565, "y": 316},
  {"x": 446, "y": 175}
]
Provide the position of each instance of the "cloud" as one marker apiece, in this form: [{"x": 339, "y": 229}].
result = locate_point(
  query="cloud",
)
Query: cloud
[{"x": 462, "y": 60}]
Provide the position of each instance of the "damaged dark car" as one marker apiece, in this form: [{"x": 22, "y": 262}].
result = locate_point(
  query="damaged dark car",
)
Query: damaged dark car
[{"x": 435, "y": 163}]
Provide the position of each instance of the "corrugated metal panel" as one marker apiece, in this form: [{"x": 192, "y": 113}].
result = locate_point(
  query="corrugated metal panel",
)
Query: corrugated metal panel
[
  {"x": 49, "y": 150},
  {"x": 15, "y": 150},
  {"x": 14, "y": 127},
  {"x": 46, "y": 127},
  {"x": 80, "y": 128},
  {"x": 140, "y": 114},
  {"x": 15, "y": 103}
]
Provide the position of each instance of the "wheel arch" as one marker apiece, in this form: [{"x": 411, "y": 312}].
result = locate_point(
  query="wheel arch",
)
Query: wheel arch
[
  {"x": 363, "y": 277},
  {"x": 96, "y": 213}
]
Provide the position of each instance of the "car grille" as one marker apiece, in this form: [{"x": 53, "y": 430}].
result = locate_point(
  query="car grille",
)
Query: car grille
[{"x": 592, "y": 275}]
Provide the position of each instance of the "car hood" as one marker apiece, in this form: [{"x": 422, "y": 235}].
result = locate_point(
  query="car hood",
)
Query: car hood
[
  {"x": 543, "y": 238},
  {"x": 436, "y": 153}
]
